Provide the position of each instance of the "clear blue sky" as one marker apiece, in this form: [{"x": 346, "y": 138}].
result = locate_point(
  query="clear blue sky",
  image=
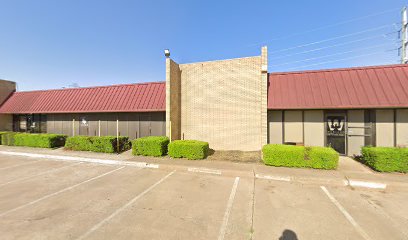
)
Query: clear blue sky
[{"x": 52, "y": 44}]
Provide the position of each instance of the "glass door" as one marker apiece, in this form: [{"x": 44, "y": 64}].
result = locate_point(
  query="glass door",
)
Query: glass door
[{"x": 336, "y": 132}]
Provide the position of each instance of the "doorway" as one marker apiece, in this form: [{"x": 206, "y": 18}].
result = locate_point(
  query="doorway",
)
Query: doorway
[{"x": 336, "y": 131}]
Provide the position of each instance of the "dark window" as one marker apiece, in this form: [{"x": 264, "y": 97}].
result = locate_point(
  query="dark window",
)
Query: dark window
[
  {"x": 32, "y": 123},
  {"x": 369, "y": 127},
  {"x": 43, "y": 123}
]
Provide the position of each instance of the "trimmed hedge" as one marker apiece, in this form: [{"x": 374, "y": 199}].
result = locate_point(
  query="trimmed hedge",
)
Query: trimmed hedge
[
  {"x": 190, "y": 149},
  {"x": 7, "y": 138},
  {"x": 386, "y": 159},
  {"x": 155, "y": 146},
  {"x": 1, "y": 133},
  {"x": 299, "y": 156},
  {"x": 39, "y": 140},
  {"x": 106, "y": 144}
]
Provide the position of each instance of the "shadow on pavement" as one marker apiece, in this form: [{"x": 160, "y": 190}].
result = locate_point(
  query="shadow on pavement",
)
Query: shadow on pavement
[{"x": 288, "y": 235}]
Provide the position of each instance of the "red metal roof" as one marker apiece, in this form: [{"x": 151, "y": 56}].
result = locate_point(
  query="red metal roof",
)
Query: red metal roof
[
  {"x": 143, "y": 97},
  {"x": 362, "y": 87}
]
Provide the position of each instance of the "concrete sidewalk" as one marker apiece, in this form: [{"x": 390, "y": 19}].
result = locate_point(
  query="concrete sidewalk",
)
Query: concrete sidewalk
[{"x": 349, "y": 173}]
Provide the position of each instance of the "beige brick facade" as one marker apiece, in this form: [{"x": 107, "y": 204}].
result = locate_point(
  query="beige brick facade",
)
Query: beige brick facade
[
  {"x": 222, "y": 102},
  {"x": 6, "y": 120},
  {"x": 173, "y": 98}
]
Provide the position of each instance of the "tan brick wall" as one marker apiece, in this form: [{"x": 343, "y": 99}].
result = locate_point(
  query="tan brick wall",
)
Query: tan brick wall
[
  {"x": 314, "y": 128},
  {"x": 6, "y": 120},
  {"x": 6, "y": 88},
  {"x": 221, "y": 102},
  {"x": 173, "y": 98},
  {"x": 402, "y": 127},
  {"x": 385, "y": 128},
  {"x": 293, "y": 126},
  {"x": 264, "y": 96},
  {"x": 275, "y": 127}
]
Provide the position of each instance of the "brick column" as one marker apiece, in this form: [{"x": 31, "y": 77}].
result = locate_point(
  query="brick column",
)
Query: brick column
[
  {"x": 173, "y": 100},
  {"x": 264, "y": 95}
]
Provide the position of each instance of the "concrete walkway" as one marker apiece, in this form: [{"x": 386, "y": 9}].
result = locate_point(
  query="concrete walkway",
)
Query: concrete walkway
[{"x": 349, "y": 173}]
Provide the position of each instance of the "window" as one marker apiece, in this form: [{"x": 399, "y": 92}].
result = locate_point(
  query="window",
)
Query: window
[
  {"x": 32, "y": 123},
  {"x": 369, "y": 127}
]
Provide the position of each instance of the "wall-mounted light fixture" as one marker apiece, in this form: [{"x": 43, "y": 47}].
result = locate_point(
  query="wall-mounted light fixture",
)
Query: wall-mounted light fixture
[{"x": 167, "y": 53}]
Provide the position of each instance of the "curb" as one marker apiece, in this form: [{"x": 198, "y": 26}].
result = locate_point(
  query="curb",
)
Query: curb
[
  {"x": 365, "y": 184},
  {"x": 353, "y": 183},
  {"x": 82, "y": 159}
]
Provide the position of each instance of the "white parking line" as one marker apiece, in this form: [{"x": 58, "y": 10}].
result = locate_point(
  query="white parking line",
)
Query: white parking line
[
  {"x": 59, "y": 192},
  {"x": 107, "y": 219},
  {"x": 82, "y": 159},
  {"x": 205, "y": 170},
  {"x": 276, "y": 178},
  {"x": 228, "y": 210},
  {"x": 346, "y": 214},
  {"x": 39, "y": 174},
  {"x": 18, "y": 165}
]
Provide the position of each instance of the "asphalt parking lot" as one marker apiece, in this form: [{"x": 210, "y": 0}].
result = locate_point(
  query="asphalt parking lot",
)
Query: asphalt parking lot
[{"x": 48, "y": 199}]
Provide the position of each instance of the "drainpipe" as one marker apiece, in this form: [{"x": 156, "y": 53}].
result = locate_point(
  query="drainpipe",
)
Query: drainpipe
[
  {"x": 99, "y": 128},
  {"x": 117, "y": 135},
  {"x": 73, "y": 127}
]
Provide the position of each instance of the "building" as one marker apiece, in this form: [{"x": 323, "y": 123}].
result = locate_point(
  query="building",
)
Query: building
[
  {"x": 134, "y": 110},
  {"x": 233, "y": 104}
]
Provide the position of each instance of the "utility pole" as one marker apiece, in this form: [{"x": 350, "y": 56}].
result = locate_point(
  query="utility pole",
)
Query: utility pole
[{"x": 404, "y": 37}]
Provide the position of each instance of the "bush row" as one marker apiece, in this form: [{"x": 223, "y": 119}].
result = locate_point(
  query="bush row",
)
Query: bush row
[
  {"x": 105, "y": 144},
  {"x": 155, "y": 146},
  {"x": 190, "y": 149},
  {"x": 32, "y": 140},
  {"x": 299, "y": 156},
  {"x": 159, "y": 146},
  {"x": 147, "y": 146},
  {"x": 386, "y": 159}
]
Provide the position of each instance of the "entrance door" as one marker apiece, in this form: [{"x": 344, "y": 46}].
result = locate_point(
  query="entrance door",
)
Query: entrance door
[
  {"x": 83, "y": 126},
  {"x": 336, "y": 132}
]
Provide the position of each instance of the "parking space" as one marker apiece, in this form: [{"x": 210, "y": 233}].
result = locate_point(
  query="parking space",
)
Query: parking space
[{"x": 72, "y": 200}]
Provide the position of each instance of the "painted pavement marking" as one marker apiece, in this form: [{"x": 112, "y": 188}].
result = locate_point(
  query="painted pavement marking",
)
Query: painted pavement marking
[
  {"x": 119, "y": 210},
  {"x": 82, "y": 159},
  {"x": 204, "y": 170},
  {"x": 276, "y": 178},
  {"x": 59, "y": 192},
  {"x": 18, "y": 165},
  {"x": 39, "y": 174},
  {"x": 228, "y": 209},
  {"x": 345, "y": 213}
]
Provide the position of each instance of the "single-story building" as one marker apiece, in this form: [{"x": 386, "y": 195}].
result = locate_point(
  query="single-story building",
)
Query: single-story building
[
  {"x": 134, "y": 110},
  {"x": 233, "y": 104}
]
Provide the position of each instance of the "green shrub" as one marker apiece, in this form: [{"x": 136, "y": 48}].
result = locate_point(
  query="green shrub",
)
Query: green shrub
[
  {"x": 386, "y": 159},
  {"x": 150, "y": 146},
  {"x": 322, "y": 157},
  {"x": 1, "y": 133},
  {"x": 299, "y": 156},
  {"x": 190, "y": 149},
  {"x": 106, "y": 144},
  {"x": 7, "y": 138},
  {"x": 39, "y": 140},
  {"x": 283, "y": 155}
]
